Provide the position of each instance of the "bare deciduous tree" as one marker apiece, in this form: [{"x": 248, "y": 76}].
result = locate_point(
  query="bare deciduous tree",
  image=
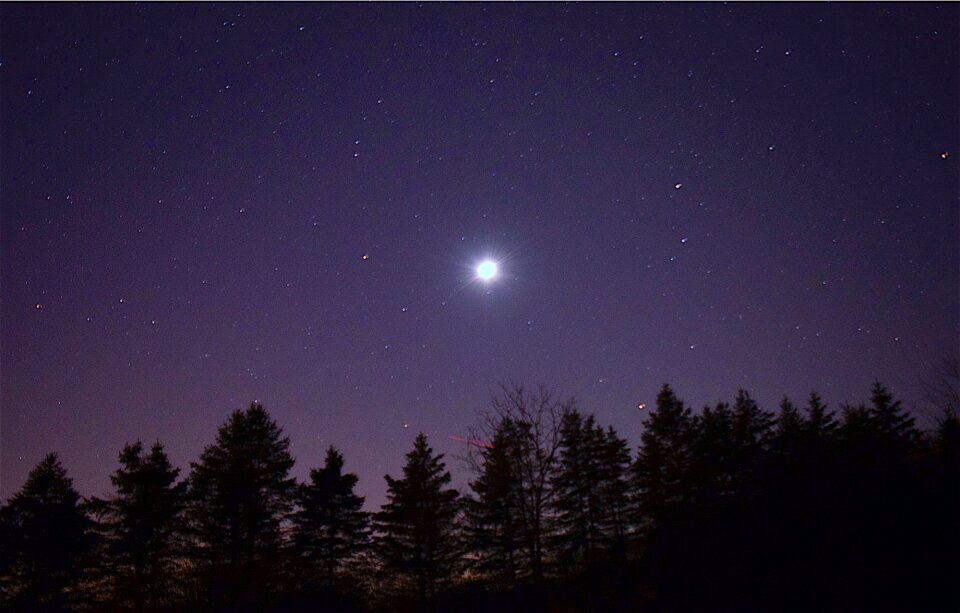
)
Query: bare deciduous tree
[{"x": 535, "y": 418}]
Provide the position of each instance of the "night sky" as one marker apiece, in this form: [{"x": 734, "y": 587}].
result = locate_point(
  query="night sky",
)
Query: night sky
[{"x": 206, "y": 205}]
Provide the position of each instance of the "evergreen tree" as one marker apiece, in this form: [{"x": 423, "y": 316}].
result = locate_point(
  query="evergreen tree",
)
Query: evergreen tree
[
  {"x": 820, "y": 423},
  {"x": 890, "y": 420},
  {"x": 789, "y": 429},
  {"x": 240, "y": 493},
  {"x": 855, "y": 425},
  {"x": 143, "y": 524},
  {"x": 712, "y": 469},
  {"x": 536, "y": 419},
  {"x": 789, "y": 421},
  {"x": 418, "y": 524},
  {"x": 494, "y": 514},
  {"x": 615, "y": 491},
  {"x": 663, "y": 460},
  {"x": 752, "y": 431},
  {"x": 591, "y": 489},
  {"x": 330, "y": 528},
  {"x": 576, "y": 489},
  {"x": 45, "y": 533}
]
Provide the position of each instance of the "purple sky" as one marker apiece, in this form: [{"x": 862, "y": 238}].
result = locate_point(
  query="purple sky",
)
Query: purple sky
[{"x": 709, "y": 195}]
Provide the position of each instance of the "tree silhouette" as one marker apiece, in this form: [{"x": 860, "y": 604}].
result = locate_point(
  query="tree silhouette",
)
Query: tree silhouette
[
  {"x": 789, "y": 427},
  {"x": 418, "y": 524},
  {"x": 576, "y": 486},
  {"x": 143, "y": 526},
  {"x": 330, "y": 528},
  {"x": 536, "y": 418},
  {"x": 44, "y": 533},
  {"x": 494, "y": 515},
  {"x": 663, "y": 460},
  {"x": 890, "y": 420},
  {"x": 732, "y": 508},
  {"x": 240, "y": 493},
  {"x": 820, "y": 423},
  {"x": 615, "y": 491},
  {"x": 590, "y": 487},
  {"x": 752, "y": 433}
]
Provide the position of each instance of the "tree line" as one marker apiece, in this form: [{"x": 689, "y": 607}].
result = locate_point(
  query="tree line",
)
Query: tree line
[{"x": 732, "y": 507}]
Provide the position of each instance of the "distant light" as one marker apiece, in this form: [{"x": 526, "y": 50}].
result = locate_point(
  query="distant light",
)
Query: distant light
[
  {"x": 487, "y": 270},
  {"x": 944, "y": 155},
  {"x": 642, "y": 406}
]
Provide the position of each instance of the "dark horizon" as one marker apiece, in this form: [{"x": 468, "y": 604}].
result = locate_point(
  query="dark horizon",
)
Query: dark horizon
[{"x": 205, "y": 205}]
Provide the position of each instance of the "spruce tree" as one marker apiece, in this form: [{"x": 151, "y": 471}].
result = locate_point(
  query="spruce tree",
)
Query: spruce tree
[
  {"x": 143, "y": 526},
  {"x": 494, "y": 514},
  {"x": 330, "y": 528},
  {"x": 820, "y": 423},
  {"x": 663, "y": 460},
  {"x": 576, "y": 490},
  {"x": 240, "y": 493},
  {"x": 417, "y": 526},
  {"x": 752, "y": 431},
  {"x": 890, "y": 420},
  {"x": 789, "y": 430},
  {"x": 45, "y": 533},
  {"x": 591, "y": 489},
  {"x": 615, "y": 491}
]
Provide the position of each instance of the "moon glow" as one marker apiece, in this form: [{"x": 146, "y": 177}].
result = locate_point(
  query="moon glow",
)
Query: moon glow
[{"x": 487, "y": 270}]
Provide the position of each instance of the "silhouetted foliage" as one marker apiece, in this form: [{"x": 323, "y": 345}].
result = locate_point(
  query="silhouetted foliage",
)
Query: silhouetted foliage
[
  {"x": 417, "y": 526},
  {"x": 730, "y": 508},
  {"x": 44, "y": 532},
  {"x": 143, "y": 527},
  {"x": 494, "y": 515},
  {"x": 536, "y": 418},
  {"x": 590, "y": 486},
  {"x": 240, "y": 493},
  {"x": 662, "y": 467},
  {"x": 330, "y": 528}
]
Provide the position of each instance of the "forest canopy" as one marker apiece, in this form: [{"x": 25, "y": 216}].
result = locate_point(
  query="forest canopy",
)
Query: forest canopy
[{"x": 731, "y": 507}]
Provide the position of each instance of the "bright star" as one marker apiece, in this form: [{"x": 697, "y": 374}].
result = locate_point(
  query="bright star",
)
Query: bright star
[{"x": 487, "y": 270}]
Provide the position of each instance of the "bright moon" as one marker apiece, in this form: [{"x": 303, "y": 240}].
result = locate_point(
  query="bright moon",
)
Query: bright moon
[{"x": 487, "y": 270}]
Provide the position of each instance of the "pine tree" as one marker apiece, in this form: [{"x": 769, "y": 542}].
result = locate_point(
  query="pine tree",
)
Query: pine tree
[
  {"x": 330, "y": 528},
  {"x": 240, "y": 492},
  {"x": 576, "y": 490},
  {"x": 789, "y": 421},
  {"x": 820, "y": 423},
  {"x": 789, "y": 430},
  {"x": 856, "y": 423},
  {"x": 615, "y": 491},
  {"x": 143, "y": 524},
  {"x": 890, "y": 420},
  {"x": 752, "y": 430},
  {"x": 663, "y": 460},
  {"x": 418, "y": 524},
  {"x": 591, "y": 489},
  {"x": 45, "y": 533},
  {"x": 494, "y": 514}
]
